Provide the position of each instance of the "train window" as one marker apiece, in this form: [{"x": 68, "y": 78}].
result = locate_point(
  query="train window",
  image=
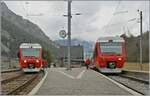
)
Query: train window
[
  {"x": 30, "y": 52},
  {"x": 113, "y": 47}
]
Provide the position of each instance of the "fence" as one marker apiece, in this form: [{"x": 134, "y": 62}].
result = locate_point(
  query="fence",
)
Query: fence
[{"x": 9, "y": 63}]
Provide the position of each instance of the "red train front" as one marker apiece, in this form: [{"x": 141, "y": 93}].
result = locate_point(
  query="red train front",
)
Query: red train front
[
  {"x": 30, "y": 57},
  {"x": 109, "y": 54}
]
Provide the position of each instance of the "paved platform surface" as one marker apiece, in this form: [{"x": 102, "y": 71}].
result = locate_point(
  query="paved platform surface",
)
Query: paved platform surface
[{"x": 78, "y": 81}]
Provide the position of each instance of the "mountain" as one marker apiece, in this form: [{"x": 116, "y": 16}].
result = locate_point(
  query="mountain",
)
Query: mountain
[{"x": 17, "y": 30}]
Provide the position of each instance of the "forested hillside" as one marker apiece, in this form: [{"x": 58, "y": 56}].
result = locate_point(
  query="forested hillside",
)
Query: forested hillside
[
  {"x": 133, "y": 47},
  {"x": 17, "y": 30}
]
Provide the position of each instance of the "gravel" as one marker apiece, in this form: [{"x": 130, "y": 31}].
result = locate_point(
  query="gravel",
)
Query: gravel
[{"x": 138, "y": 86}]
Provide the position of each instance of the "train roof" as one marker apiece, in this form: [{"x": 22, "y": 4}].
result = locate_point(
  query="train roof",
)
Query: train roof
[
  {"x": 114, "y": 39},
  {"x": 30, "y": 45}
]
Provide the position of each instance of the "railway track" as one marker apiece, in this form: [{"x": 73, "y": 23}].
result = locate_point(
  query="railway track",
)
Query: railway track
[
  {"x": 9, "y": 75},
  {"x": 142, "y": 75},
  {"x": 10, "y": 78},
  {"x": 131, "y": 82},
  {"x": 135, "y": 78},
  {"x": 11, "y": 70},
  {"x": 15, "y": 85}
]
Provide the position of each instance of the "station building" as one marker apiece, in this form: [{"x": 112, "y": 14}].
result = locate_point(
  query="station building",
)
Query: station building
[{"x": 77, "y": 55}]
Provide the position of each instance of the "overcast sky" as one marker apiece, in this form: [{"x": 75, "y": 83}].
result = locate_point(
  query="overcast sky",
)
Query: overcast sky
[{"x": 99, "y": 18}]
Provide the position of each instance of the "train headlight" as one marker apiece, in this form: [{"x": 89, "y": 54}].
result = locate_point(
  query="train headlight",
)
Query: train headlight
[
  {"x": 119, "y": 58},
  {"x": 25, "y": 61},
  {"x": 37, "y": 61}
]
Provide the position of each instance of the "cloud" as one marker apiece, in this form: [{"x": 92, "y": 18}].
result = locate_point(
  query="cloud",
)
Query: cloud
[{"x": 97, "y": 17}]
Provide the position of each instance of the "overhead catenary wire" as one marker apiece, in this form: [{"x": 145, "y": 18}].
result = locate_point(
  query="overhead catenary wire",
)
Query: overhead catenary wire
[
  {"x": 56, "y": 9},
  {"x": 105, "y": 29},
  {"x": 24, "y": 9},
  {"x": 74, "y": 21}
]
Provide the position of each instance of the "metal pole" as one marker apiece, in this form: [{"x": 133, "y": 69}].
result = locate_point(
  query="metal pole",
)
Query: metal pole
[
  {"x": 141, "y": 35},
  {"x": 8, "y": 44},
  {"x": 69, "y": 34}
]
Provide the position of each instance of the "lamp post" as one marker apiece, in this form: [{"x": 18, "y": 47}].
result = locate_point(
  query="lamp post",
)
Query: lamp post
[
  {"x": 141, "y": 35},
  {"x": 9, "y": 53},
  {"x": 69, "y": 15},
  {"x": 69, "y": 34}
]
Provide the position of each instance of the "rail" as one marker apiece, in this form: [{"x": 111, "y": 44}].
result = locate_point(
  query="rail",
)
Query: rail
[
  {"x": 16, "y": 84},
  {"x": 136, "y": 79},
  {"x": 10, "y": 70}
]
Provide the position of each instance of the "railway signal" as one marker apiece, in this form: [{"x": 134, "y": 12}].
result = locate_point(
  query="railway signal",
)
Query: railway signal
[{"x": 62, "y": 33}]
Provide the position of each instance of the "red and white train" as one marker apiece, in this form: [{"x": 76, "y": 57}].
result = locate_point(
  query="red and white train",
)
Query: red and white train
[
  {"x": 30, "y": 57},
  {"x": 109, "y": 54}
]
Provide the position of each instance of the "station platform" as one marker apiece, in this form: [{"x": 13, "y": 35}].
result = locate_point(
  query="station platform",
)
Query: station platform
[{"x": 78, "y": 81}]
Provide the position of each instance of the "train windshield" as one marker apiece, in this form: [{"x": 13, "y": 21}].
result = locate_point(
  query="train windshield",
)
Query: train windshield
[
  {"x": 31, "y": 52},
  {"x": 111, "y": 47}
]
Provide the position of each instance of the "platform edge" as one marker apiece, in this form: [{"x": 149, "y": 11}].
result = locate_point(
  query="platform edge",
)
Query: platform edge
[{"x": 37, "y": 87}]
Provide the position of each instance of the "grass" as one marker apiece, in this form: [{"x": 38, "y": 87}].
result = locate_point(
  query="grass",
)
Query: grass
[{"x": 136, "y": 66}]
